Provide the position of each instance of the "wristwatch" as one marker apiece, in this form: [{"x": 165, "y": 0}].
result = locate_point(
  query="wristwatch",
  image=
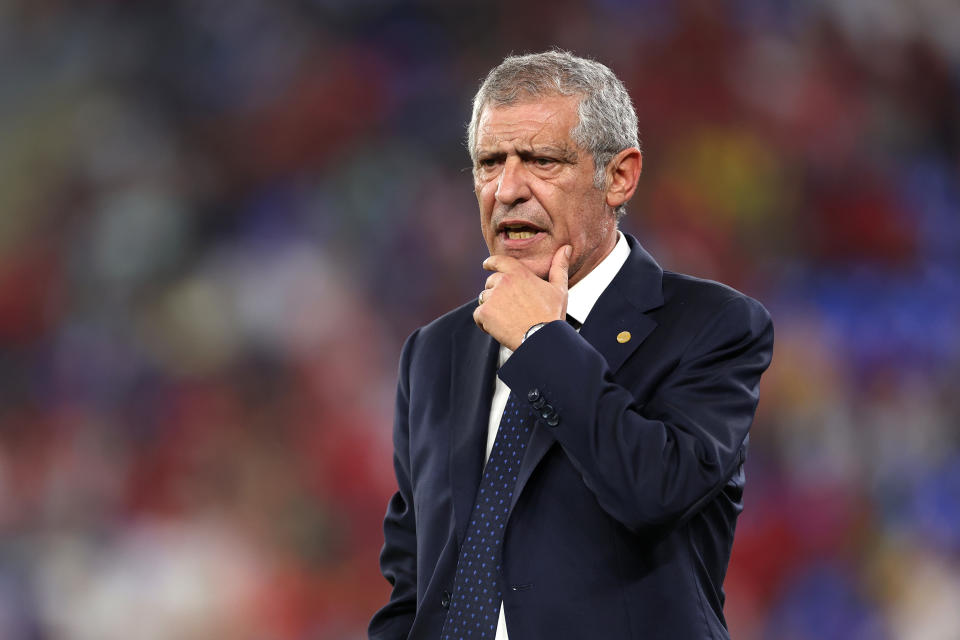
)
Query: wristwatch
[{"x": 532, "y": 330}]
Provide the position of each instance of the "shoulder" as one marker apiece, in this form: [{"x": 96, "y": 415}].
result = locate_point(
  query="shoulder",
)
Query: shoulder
[
  {"x": 698, "y": 310},
  {"x": 437, "y": 335},
  {"x": 691, "y": 295},
  {"x": 449, "y": 324},
  {"x": 680, "y": 287}
]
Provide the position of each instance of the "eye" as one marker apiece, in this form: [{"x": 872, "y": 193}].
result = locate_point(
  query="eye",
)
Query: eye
[
  {"x": 487, "y": 163},
  {"x": 544, "y": 162}
]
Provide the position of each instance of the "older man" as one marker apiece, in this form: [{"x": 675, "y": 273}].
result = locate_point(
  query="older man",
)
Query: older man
[{"x": 569, "y": 446}]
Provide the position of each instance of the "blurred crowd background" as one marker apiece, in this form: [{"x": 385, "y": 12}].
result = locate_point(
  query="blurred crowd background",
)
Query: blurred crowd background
[{"x": 219, "y": 219}]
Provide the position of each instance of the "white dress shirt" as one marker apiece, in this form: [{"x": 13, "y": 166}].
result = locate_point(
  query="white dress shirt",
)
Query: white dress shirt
[{"x": 580, "y": 300}]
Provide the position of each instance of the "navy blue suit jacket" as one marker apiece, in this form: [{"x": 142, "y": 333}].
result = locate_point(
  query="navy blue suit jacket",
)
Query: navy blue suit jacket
[{"x": 623, "y": 518}]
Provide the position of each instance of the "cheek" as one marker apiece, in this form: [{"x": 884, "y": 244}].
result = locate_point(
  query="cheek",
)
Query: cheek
[
  {"x": 485, "y": 195},
  {"x": 485, "y": 204},
  {"x": 587, "y": 230}
]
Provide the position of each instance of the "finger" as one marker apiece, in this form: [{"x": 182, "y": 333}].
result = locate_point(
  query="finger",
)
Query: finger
[
  {"x": 560, "y": 267},
  {"x": 493, "y": 280},
  {"x": 476, "y": 317},
  {"x": 504, "y": 264}
]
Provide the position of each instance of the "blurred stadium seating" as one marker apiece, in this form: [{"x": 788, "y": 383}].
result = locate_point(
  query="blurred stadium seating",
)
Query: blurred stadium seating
[{"x": 219, "y": 220}]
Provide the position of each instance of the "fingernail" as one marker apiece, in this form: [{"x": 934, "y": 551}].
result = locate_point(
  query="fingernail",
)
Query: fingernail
[{"x": 568, "y": 251}]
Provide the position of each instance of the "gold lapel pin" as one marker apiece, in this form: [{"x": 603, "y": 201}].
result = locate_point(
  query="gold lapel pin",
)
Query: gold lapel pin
[{"x": 623, "y": 337}]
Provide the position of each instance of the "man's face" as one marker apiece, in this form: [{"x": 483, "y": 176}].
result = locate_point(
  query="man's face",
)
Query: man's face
[{"x": 535, "y": 187}]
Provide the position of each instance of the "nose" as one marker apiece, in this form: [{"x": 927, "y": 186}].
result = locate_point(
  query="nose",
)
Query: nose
[{"x": 512, "y": 186}]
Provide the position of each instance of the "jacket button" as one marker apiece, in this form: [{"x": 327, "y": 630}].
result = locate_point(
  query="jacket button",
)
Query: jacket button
[
  {"x": 539, "y": 402},
  {"x": 553, "y": 420},
  {"x": 546, "y": 411},
  {"x": 533, "y": 395},
  {"x": 445, "y": 600}
]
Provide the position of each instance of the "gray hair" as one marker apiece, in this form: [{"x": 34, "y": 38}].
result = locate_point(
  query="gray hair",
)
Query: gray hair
[{"x": 607, "y": 121}]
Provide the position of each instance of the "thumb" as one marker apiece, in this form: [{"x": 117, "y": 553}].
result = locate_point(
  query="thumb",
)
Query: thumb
[{"x": 559, "y": 268}]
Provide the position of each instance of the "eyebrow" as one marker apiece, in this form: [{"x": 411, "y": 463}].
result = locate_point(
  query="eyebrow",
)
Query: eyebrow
[{"x": 562, "y": 153}]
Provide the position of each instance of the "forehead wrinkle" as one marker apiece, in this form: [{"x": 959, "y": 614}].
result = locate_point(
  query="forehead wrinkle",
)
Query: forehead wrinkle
[
  {"x": 550, "y": 125},
  {"x": 525, "y": 142}
]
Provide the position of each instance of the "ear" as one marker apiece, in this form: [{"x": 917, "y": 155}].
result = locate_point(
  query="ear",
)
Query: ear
[{"x": 623, "y": 172}]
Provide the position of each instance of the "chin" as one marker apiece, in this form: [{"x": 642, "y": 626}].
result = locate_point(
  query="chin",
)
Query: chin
[{"x": 538, "y": 265}]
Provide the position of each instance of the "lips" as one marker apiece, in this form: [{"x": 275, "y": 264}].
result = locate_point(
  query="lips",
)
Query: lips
[{"x": 517, "y": 230}]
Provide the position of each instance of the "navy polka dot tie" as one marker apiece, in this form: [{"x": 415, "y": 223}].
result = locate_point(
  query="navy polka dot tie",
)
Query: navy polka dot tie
[{"x": 475, "y": 603}]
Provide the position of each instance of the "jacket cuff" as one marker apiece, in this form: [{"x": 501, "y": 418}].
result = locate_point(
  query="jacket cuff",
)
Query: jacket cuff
[{"x": 532, "y": 370}]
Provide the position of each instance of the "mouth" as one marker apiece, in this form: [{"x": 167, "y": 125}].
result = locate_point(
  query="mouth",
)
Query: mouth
[{"x": 517, "y": 230}]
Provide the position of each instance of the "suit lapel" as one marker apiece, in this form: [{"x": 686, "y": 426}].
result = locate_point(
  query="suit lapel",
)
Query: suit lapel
[
  {"x": 471, "y": 391},
  {"x": 637, "y": 288}
]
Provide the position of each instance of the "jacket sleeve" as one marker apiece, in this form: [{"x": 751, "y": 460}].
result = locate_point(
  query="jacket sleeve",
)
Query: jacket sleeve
[
  {"x": 398, "y": 559},
  {"x": 656, "y": 463}
]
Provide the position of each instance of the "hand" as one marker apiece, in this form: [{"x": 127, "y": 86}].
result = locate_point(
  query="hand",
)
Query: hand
[{"x": 515, "y": 298}]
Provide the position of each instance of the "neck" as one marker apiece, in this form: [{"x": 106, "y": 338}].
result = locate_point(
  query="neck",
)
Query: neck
[{"x": 588, "y": 265}]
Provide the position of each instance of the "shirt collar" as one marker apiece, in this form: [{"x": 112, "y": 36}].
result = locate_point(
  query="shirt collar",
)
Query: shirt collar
[{"x": 582, "y": 296}]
